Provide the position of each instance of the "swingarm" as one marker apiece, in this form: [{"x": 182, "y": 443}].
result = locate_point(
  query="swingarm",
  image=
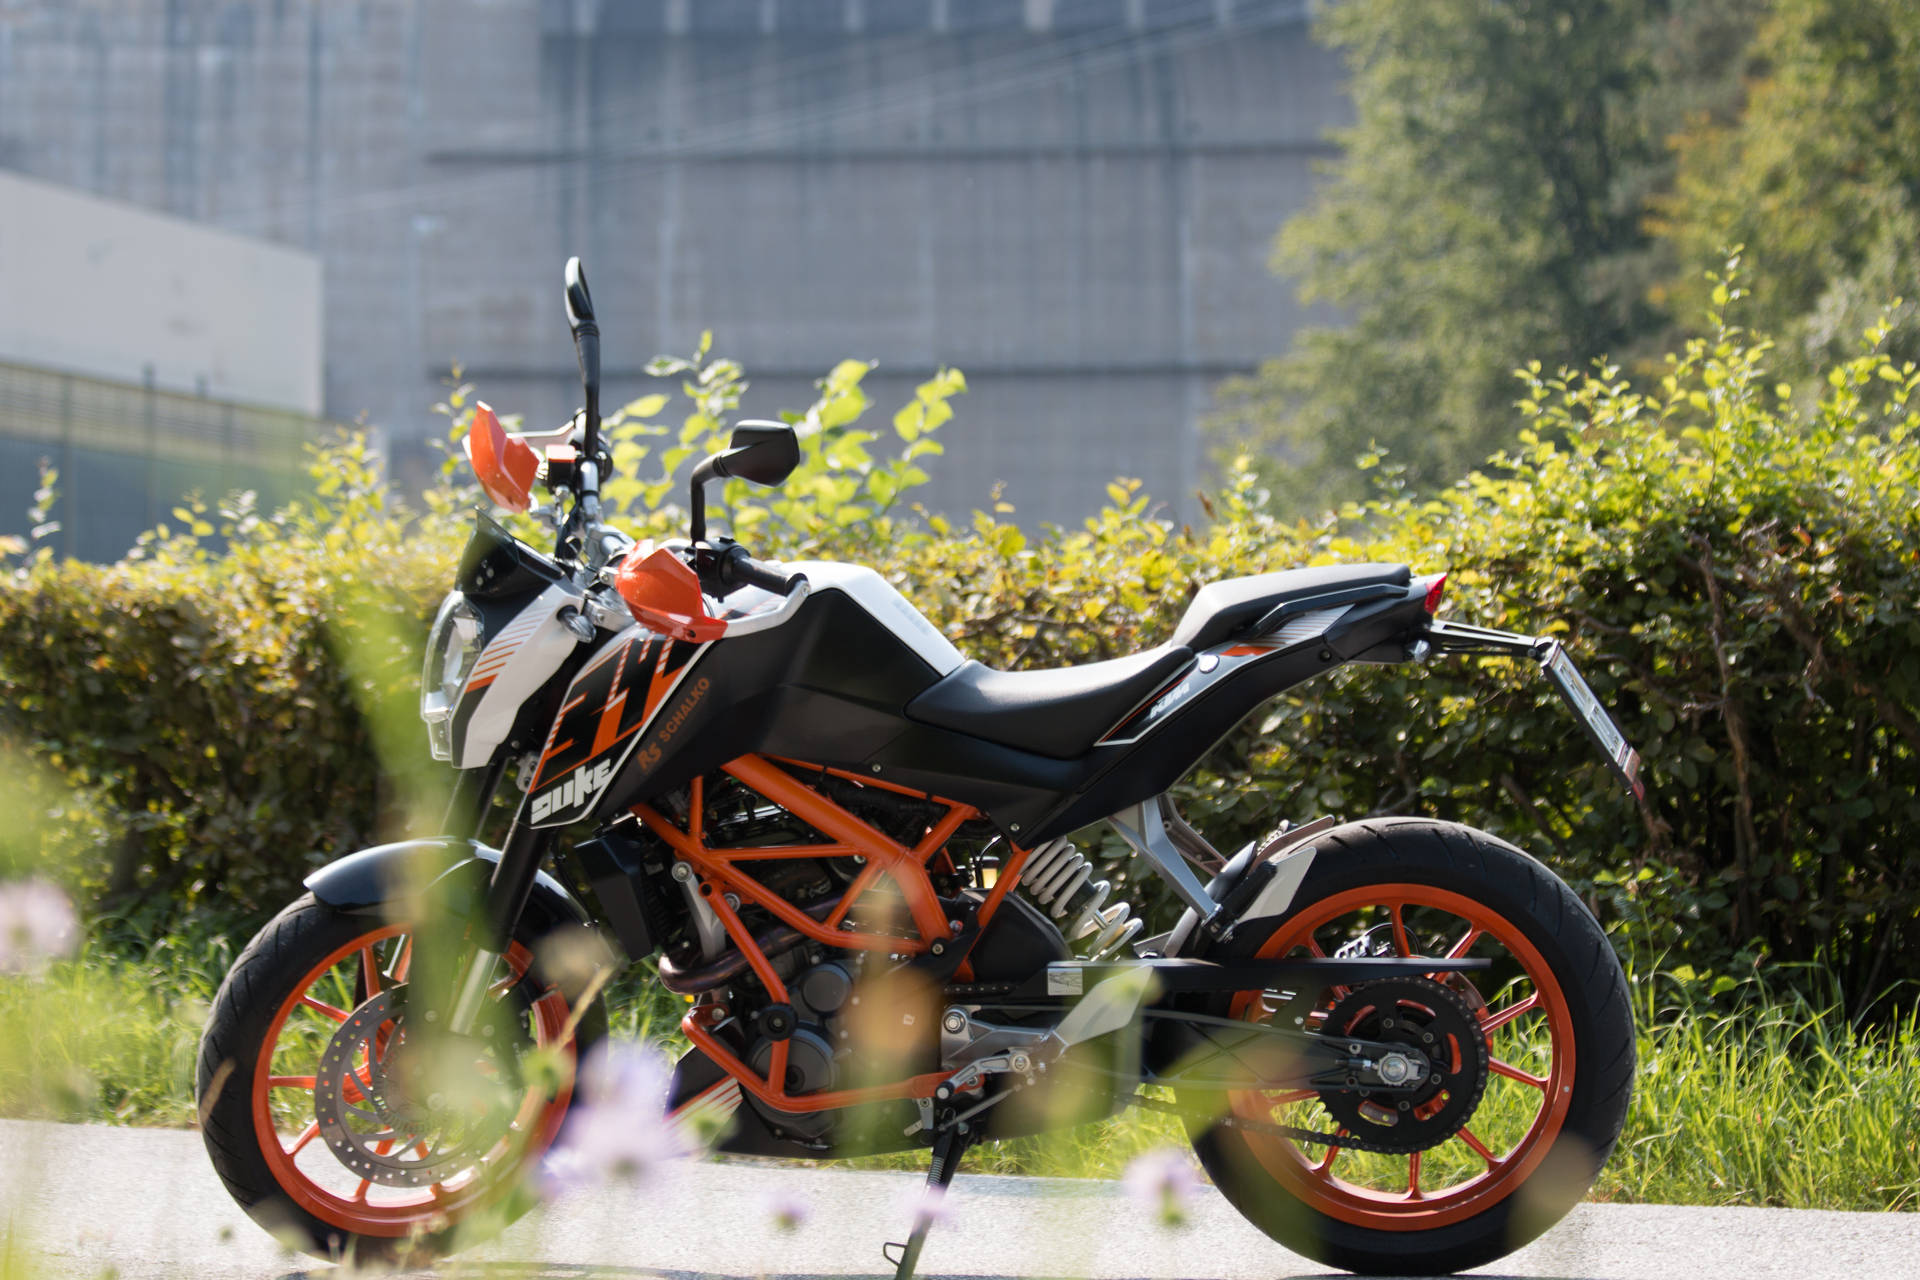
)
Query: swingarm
[{"x": 1280, "y": 1054}]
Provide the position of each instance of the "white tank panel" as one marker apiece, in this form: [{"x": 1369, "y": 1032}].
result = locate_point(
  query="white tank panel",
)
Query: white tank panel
[{"x": 891, "y": 609}]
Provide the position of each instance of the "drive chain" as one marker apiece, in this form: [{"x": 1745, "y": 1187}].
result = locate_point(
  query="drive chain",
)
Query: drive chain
[{"x": 1341, "y": 1139}]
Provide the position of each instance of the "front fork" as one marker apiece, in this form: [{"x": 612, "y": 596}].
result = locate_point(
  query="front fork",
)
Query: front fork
[{"x": 511, "y": 884}]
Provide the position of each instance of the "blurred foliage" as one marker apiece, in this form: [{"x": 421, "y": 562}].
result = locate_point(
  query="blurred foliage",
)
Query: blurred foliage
[
  {"x": 1818, "y": 176},
  {"x": 1487, "y": 206},
  {"x": 197, "y": 704},
  {"x": 1734, "y": 565},
  {"x": 845, "y": 493},
  {"x": 115, "y": 1029}
]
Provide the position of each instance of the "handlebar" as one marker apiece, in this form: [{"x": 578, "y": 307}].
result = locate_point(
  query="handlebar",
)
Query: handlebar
[{"x": 737, "y": 568}]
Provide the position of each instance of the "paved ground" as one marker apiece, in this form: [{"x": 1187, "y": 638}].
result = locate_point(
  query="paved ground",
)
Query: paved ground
[{"x": 144, "y": 1203}]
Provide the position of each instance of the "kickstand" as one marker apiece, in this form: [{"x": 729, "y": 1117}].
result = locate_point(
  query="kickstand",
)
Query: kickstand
[{"x": 948, "y": 1146}]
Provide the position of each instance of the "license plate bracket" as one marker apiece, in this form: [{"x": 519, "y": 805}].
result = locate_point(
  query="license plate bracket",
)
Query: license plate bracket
[
  {"x": 1455, "y": 637},
  {"x": 1586, "y": 708}
]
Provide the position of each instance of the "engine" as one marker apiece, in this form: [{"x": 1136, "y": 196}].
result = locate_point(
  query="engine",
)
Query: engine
[
  {"x": 816, "y": 1038},
  {"x": 851, "y": 1017}
]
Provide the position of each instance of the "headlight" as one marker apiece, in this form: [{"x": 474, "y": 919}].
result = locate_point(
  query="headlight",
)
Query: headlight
[{"x": 452, "y": 646}]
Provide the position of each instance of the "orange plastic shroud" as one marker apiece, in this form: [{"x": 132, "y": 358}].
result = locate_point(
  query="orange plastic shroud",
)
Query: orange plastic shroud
[
  {"x": 505, "y": 465},
  {"x": 718, "y": 874},
  {"x": 665, "y": 596}
]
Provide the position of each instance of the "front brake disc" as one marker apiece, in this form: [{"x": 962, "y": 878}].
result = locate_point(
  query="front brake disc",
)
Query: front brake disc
[{"x": 370, "y": 1119}]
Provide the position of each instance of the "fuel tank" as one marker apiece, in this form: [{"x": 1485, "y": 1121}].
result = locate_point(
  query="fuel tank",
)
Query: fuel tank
[{"x": 646, "y": 714}]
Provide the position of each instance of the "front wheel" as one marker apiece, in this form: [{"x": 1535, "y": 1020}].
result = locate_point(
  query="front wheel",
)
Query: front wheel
[
  {"x": 326, "y": 1124},
  {"x": 1454, "y": 1179}
]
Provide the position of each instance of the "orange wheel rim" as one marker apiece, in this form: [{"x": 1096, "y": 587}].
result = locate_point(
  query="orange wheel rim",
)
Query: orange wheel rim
[
  {"x": 373, "y": 1209},
  {"x": 1316, "y": 1178}
]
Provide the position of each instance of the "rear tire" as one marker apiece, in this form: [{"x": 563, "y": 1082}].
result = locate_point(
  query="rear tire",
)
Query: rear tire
[
  {"x": 264, "y": 1022},
  {"x": 1393, "y": 879}
]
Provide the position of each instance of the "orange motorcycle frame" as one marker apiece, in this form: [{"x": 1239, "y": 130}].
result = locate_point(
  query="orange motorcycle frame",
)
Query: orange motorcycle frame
[{"x": 717, "y": 873}]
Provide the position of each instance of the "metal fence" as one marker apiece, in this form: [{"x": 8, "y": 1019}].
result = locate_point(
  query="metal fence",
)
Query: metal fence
[{"x": 127, "y": 455}]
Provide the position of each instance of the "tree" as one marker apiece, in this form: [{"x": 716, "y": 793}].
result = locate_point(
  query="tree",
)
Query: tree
[
  {"x": 1819, "y": 177},
  {"x": 1488, "y": 207}
]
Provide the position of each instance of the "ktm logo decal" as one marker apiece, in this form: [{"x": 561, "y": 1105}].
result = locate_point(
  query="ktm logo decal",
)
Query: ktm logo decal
[
  {"x": 1161, "y": 706},
  {"x": 587, "y": 781},
  {"x": 609, "y": 702}
]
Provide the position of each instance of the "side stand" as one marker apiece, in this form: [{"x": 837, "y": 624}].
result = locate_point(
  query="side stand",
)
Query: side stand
[{"x": 948, "y": 1146}]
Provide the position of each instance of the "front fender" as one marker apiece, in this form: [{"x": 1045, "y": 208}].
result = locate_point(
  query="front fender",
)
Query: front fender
[{"x": 364, "y": 883}]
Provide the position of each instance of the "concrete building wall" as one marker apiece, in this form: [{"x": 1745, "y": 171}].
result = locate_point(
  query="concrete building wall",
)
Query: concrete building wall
[
  {"x": 95, "y": 287},
  {"x": 1071, "y": 200}
]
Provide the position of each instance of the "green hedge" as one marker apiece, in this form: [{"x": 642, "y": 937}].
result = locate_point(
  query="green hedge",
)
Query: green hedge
[{"x": 1735, "y": 564}]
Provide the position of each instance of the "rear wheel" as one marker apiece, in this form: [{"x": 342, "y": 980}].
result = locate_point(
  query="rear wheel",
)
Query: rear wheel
[
  {"x": 1504, "y": 1145},
  {"x": 324, "y": 1120}
]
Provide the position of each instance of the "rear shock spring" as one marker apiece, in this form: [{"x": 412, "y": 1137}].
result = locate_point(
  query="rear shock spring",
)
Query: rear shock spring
[{"x": 1058, "y": 876}]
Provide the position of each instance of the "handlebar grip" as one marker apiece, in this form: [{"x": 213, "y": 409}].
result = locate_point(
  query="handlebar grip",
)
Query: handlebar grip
[
  {"x": 739, "y": 567},
  {"x": 769, "y": 579}
]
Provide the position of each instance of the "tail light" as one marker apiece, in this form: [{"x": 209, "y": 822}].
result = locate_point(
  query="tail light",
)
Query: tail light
[{"x": 1434, "y": 592}]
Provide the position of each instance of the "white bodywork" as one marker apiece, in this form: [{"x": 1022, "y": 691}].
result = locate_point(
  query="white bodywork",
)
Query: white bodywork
[
  {"x": 520, "y": 659},
  {"x": 888, "y": 607}
]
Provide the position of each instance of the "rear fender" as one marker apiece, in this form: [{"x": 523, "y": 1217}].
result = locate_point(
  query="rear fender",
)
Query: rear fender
[
  {"x": 364, "y": 883},
  {"x": 1257, "y": 883}
]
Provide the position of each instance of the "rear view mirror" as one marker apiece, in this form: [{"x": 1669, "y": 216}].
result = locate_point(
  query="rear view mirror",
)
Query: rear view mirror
[
  {"x": 579, "y": 301},
  {"x": 763, "y": 452},
  {"x": 586, "y": 345}
]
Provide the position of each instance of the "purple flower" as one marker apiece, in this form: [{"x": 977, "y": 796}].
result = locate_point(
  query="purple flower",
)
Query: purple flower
[
  {"x": 619, "y": 1128},
  {"x": 924, "y": 1203},
  {"x": 1162, "y": 1182},
  {"x": 37, "y": 924},
  {"x": 784, "y": 1210}
]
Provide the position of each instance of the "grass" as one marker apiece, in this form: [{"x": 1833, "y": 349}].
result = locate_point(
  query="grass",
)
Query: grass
[
  {"x": 1776, "y": 1100},
  {"x": 1759, "y": 1096},
  {"x": 111, "y": 1036}
]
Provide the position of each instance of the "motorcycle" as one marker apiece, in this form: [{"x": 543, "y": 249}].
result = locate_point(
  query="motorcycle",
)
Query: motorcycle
[{"x": 1396, "y": 1044}]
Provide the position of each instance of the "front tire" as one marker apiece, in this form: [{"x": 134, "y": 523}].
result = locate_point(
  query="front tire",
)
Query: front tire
[
  {"x": 287, "y": 1010},
  {"x": 1559, "y": 1033}
]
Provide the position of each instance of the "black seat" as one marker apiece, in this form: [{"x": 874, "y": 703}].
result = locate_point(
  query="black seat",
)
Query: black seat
[
  {"x": 1222, "y": 610},
  {"x": 1059, "y": 713}
]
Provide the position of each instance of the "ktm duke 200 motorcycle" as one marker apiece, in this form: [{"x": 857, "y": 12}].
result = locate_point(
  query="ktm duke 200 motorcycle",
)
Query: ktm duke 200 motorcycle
[{"x": 1397, "y": 1045}]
